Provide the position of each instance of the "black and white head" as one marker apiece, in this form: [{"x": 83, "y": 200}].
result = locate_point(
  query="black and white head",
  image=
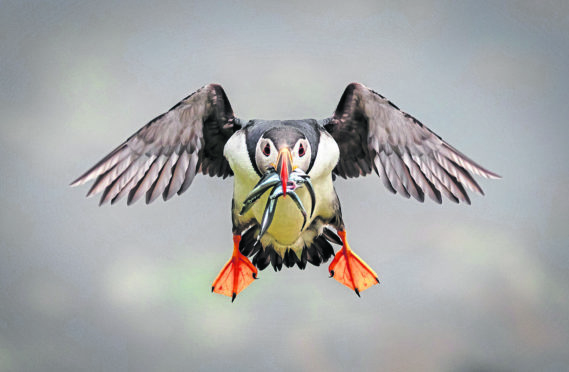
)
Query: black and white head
[{"x": 282, "y": 146}]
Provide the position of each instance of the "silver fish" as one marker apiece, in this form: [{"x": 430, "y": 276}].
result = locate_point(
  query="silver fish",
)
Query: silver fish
[
  {"x": 270, "y": 179},
  {"x": 278, "y": 192},
  {"x": 269, "y": 213}
]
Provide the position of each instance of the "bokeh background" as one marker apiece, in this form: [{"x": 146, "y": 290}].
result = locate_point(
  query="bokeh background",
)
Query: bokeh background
[{"x": 464, "y": 288}]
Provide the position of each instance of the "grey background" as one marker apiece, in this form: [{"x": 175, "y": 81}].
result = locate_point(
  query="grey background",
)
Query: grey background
[{"x": 463, "y": 288}]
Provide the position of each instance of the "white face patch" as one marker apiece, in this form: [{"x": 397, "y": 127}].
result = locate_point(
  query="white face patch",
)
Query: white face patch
[
  {"x": 301, "y": 154},
  {"x": 266, "y": 154}
]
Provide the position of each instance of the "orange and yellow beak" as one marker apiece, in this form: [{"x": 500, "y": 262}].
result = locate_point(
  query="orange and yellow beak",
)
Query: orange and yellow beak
[{"x": 284, "y": 167}]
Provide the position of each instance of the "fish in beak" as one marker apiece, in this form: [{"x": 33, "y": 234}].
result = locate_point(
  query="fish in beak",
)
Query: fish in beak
[
  {"x": 281, "y": 181},
  {"x": 284, "y": 167}
]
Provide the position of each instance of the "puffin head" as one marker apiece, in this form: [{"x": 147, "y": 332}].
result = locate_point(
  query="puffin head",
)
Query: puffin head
[{"x": 284, "y": 149}]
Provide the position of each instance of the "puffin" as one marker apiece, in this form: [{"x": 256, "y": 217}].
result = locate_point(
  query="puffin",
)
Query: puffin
[{"x": 285, "y": 210}]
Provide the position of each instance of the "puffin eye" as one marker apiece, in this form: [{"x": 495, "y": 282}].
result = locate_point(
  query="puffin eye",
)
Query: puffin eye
[
  {"x": 301, "y": 151},
  {"x": 267, "y": 150}
]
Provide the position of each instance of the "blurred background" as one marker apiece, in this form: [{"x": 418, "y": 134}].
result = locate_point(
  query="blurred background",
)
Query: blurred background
[{"x": 464, "y": 288}]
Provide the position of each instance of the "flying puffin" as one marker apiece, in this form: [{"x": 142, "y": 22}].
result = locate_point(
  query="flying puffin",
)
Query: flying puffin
[{"x": 285, "y": 210}]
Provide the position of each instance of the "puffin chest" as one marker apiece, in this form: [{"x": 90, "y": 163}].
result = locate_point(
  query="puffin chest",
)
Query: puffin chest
[{"x": 287, "y": 221}]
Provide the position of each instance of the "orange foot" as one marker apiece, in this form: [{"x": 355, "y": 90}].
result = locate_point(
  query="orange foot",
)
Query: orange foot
[
  {"x": 236, "y": 275},
  {"x": 350, "y": 270}
]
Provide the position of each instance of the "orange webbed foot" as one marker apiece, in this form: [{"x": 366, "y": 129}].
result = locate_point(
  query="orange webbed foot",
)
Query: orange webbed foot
[
  {"x": 236, "y": 275},
  {"x": 350, "y": 270}
]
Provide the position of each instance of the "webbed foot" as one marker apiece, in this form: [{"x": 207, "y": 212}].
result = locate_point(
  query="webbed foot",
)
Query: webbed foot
[
  {"x": 350, "y": 270},
  {"x": 236, "y": 275}
]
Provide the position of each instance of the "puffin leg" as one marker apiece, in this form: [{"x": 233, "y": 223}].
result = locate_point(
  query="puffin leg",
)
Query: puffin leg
[
  {"x": 236, "y": 275},
  {"x": 350, "y": 270}
]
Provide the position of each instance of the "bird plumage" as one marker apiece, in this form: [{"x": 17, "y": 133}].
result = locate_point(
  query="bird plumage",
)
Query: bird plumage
[
  {"x": 410, "y": 159},
  {"x": 163, "y": 157},
  {"x": 366, "y": 133}
]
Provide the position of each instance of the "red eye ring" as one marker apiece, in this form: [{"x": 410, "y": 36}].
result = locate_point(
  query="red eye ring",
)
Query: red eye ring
[
  {"x": 267, "y": 150},
  {"x": 301, "y": 151}
]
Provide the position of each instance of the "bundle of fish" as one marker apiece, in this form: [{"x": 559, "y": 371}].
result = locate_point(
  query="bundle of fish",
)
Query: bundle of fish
[{"x": 271, "y": 179}]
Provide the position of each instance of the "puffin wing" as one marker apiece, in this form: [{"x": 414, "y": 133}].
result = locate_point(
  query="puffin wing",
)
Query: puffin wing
[
  {"x": 374, "y": 134},
  {"x": 164, "y": 156}
]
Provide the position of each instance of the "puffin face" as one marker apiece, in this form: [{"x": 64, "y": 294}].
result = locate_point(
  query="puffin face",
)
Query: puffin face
[{"x": 283, "y": 149}]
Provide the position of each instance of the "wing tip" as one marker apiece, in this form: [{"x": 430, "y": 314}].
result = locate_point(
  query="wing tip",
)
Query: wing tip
[
  {"x": 483, "y": 172},
  {"x": 81, "y": 180},
  {"x": 492, "y": 175}
]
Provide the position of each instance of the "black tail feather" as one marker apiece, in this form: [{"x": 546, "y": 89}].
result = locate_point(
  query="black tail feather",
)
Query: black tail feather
[
  {"x": 319, "y": 251},
  {"x": 289, "y": 258},
  {"x": 302, "y": 263},
  {"x": 276, "y": 260},
  {"x": 324, "y": 248},
  {"x": 331, "y": 236},
  {"x": 262, "y": 258},
  {"x": 312, "y": 254}
]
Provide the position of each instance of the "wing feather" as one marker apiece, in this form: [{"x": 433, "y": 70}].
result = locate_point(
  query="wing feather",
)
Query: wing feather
[
  {"x": 124, "y": 179},
  {"x": 164, "y": 155},
  {"x": 106, "y": 178},
  {"x": 190, "y": 173},
  {"x": 380, "y": 170},
  {"x": 178, "y": 176},
  {"x": 103, "y": 165},
  {"x": 445, "y": 179},
  {"x": 148, "y": 180},
  {"x": 459, "y": 173},
  {"x": 163, "y": 179},
  {"x": 392, "y": 174},
  {"x": 405, "y": 177},
  {"x": 420, "y": 179},
  {"x": 434, "y": 180},
  {"x": 371, "y": 132},
  {"x": 133, "y": 181}
]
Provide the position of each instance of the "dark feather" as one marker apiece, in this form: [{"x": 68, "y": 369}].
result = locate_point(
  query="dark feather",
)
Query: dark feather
[
  {"x": 312, "y": 255},
  {"x": 276, "y": 260},
  {"x": 324, "y": 249},
  {"x": 190, "y": 134},
  {"x": 372, "y": 132},
  {"x": 289, "y": 258},
  {"x": 331, "y": 236},
  {"x": 262, "y": 258}
]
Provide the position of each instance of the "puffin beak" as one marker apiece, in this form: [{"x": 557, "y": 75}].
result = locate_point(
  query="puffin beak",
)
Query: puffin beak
[{"x": 284, "y": 167}]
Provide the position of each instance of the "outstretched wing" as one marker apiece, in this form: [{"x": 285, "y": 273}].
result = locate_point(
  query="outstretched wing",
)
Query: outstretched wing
[
  {"x": 164, "y": 156},
  {"x": 372, "y": 133}
]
